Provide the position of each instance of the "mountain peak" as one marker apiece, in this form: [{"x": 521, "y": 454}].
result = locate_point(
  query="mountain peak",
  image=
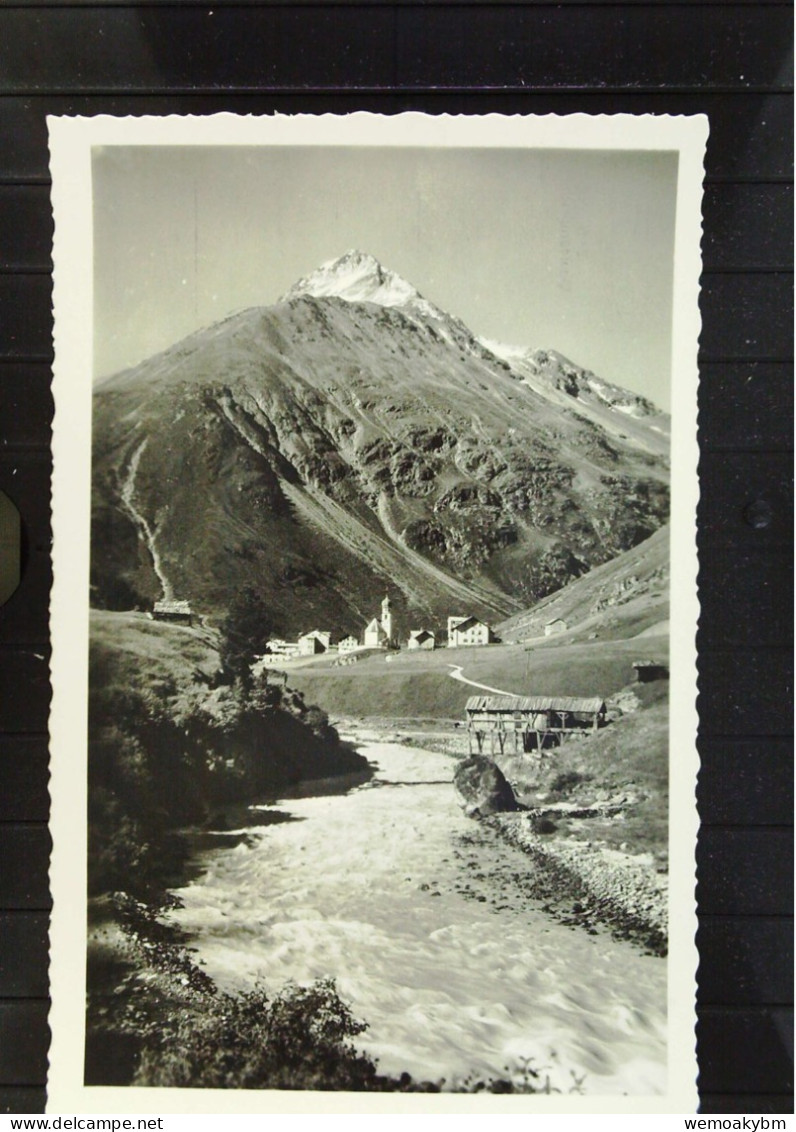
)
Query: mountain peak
[{"x": 357, "y": 277}]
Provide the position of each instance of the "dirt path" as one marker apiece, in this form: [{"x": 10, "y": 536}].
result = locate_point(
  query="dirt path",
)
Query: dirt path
[{"x": 457, "y": 675}]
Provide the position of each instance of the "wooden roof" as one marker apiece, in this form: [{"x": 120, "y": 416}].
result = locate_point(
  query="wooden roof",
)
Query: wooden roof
[
  {"x": 467, "y": 621},
  {"x": 535, "y": 703}
]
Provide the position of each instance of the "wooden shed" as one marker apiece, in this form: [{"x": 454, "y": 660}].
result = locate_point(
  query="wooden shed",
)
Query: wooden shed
[
  {"x": 649, "y": 670},
  {"x": 530, "y": 721},
  {"x": 179, "y": 612}
]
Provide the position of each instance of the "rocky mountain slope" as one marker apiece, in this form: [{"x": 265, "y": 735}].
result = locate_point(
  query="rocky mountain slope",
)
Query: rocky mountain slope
[
  {"x": 353, "y": 438},
  {"x": 625, "y": 597}
]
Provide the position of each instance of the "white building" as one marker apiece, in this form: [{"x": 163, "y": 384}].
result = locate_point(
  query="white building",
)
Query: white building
[
  {"x": 378, "y": 632},
  {"x": 348, "y": 644},
  {"x": 556, "y": 626},
  {"x": 468, "y": 632},
  {"x": 311, "y": 644},
  {"x": 421, "y": 639},
  {"x": 277, "y": 647}
]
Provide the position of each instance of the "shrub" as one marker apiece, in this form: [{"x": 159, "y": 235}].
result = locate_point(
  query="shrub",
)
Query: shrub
[
  {"x": 300, "y": 1039},
  {"x": 244, "y": 633},
  {"x": 566, "y": 781}
]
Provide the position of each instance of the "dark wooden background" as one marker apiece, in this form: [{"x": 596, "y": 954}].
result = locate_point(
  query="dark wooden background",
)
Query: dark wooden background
[{"x": 731, "y": 61}]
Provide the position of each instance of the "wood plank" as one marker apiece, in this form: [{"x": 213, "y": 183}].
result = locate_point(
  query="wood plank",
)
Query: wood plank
[
  {"x": 23, "y": 1050},
  {"x": 25, "y": 853},
  {"x": 23, "y": 954},
  {"x": 747, "y": 693},
  {"x": 756, "y": 1103},
  {"x": 746, "y": 871},
  {"x": 24, "y": 678},
  {"x": 26, "y": 406},
  {"x": 746, "y": 405},
  {"x": 747, "y": 226},
  {"x": 16, "y": 1099},
  {"x": 746, "y": 317},
  {"x": 745, "y": 781},
  {"x": 375, "y": 3},
  {"x": 26, "y": 326},
  {"x": 166, "y": 48},
  {"x": 450, "y": 45},
  {"x": 753, "y": 606},
  {"x": 745, "y": 960},
  {"x": 615, "y": 47},
  {"x": 26, "y": 227},
  {"x": 745, "y": 1051},
  {"x": 24, "y": 773}
]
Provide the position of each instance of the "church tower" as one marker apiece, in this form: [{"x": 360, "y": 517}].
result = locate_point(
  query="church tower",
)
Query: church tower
[{"x": 386, "y": 620}]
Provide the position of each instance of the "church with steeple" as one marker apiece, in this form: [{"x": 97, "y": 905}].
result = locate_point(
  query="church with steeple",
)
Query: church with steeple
[{"x": 379, "y": 632}]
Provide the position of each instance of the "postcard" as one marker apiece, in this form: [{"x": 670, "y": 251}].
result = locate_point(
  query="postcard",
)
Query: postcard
[{"x": 374, "y": 670}]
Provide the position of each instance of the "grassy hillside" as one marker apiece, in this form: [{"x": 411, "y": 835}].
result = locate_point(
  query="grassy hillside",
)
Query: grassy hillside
[
  {"x": 411, "y": 685},
  {"x": 130, "y": 651},
  {"x": 168, "y": 744},
  {"x": 627, "y": 763},
  {"x": 622, "y": 598}
]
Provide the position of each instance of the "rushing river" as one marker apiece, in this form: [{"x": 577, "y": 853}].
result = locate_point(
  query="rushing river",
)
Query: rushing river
[{"x": 385, "y": 889}]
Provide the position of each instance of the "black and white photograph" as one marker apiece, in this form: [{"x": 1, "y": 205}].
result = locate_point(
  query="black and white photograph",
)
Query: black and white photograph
[{"x": 374, "y": 612}]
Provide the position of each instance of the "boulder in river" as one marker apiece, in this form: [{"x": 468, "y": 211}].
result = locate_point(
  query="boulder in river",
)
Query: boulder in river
[{"x": 482, "y": 789}]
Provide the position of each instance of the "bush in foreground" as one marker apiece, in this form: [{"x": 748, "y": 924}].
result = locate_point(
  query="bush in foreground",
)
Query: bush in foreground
[{"x": 300, "y": 1039}]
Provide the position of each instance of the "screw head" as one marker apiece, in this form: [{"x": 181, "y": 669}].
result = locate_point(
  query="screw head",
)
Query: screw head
[{"x": 758, "y": 514}]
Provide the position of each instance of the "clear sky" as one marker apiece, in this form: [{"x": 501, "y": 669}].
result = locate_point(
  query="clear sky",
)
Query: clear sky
[{"x": 564, "y": 249}]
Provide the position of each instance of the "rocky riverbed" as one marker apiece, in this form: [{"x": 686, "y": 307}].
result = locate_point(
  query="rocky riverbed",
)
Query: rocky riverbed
[
  {"x": 441, "y": 935},
  {"x": 589, "y": 884}
]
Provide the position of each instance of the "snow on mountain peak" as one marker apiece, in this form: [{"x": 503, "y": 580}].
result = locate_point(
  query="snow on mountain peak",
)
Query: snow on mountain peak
[{"x": 357, "y": 277}]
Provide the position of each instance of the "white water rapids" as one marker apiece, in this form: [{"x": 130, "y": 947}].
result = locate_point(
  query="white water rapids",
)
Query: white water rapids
[{"x": 367, "y": 887}]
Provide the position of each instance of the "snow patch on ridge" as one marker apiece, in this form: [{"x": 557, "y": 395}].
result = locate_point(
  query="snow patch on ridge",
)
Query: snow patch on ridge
[
  {"x": 358, "y": 277},
  {"x": 503, "y": 349}
]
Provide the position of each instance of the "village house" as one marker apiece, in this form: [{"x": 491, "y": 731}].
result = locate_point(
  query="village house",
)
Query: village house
[
  {"x": 176, "y": 611},
  {"x": 379, "y": 631},
  {"x": 468, "y": 632},
  {"x": 314, "y": 643},
  {"x": 278, "y": 647},
  {"x": 270, "y": 660},
  {"x": 421, "y": 639},
  {"x": 558, "y": 625},
  {"x": 348, "y": 644}
]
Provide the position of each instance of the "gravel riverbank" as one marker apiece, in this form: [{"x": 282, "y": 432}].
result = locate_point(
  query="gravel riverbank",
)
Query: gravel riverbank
[
  {"x": 587, "y": 884},
  {"x": 581, "y": 882}
]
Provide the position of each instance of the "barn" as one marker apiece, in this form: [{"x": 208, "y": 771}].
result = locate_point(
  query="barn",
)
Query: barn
[
  {"x": 531, "y": 722},
  {"x": 179, "y": 612},
  {"x": 421, "y": 639}
]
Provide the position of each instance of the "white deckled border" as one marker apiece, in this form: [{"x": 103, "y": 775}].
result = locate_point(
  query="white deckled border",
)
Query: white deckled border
[{"x": 71, "y": 141}]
